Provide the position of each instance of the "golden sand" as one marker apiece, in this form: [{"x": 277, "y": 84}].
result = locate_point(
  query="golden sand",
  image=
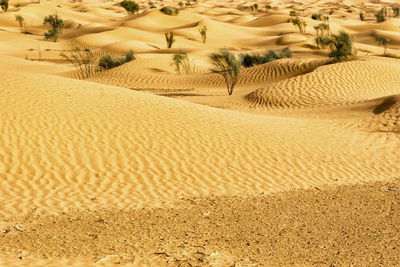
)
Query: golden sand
[{"x": 139, "y": 165}]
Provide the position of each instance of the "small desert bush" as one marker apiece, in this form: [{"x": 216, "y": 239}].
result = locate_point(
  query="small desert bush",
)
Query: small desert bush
[
  {"x": 317, "y": 16},
  {"x": 21, "y": 22},
  {"x": 4, "y": 5},
  {"x": 382, "y": 41},
  {"x": 300, "y": 23},
  {"x": 203, "y": 34},
  {"x": 250, "y": 60},
  {"x": 108, "y": 62},
  {"x": 254, "y": 7},
  {"x": 56, "y": 23},
  {"x": 322, "y": 28},
  {"x": 228, "y": 66},
  {"x": 294, "y": 13},
  {"x": 130, "y": 6},
  {"x": 362, "y": 16},
  {"x": 170, "y": 39},
  {"x": 83, "y": 60},
  {"x": 152, "y": 5},
  {"x": 322, "y": 41},
  {"x": 171, "y": 11},
  {"x": 396, "y": 11},
  {"x": 380, "y": 16},
  {"x": 341, "y": 47},
  {"x": 323, "y": 31},
  {"x": 183, "y": 65}
]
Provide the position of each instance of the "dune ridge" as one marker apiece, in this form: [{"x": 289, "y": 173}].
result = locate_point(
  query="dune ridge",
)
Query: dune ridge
[{"x": 143, "y": 153}]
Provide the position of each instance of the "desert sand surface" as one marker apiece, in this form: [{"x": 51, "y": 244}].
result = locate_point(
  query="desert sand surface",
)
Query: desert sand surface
[{"x": 141, "y": 166}]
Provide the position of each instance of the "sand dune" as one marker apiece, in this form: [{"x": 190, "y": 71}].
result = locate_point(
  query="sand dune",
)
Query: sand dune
[
  {"x": 329, "y": 85},
  {"x": 129, "y": 75},
  {"x": 140, "y": 165}
]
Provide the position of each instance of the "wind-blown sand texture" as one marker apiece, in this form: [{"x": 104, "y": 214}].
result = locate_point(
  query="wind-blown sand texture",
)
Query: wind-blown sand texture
[{"x": 139, "y": 165}]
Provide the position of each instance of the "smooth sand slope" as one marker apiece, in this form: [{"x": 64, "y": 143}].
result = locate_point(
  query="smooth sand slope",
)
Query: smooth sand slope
[
  {"x": 65, "y": 142},
  {"x": 139, "y": 165}
]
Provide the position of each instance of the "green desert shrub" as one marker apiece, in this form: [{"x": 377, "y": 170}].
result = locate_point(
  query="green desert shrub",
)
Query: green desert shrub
[
  {"x": 254, "y": 7},
  {"x": 183, "y": 65},
  {"x": 317, "y": 16},
  {"x": 83, "y": 60},
  {"x": 380, "y": 16},
  {"x": 362, "y": 17},
  {"x": 294, "y": 13},
  {"x": 250, "y": 60},
  {"x": 171, "y": 11},
  {"x": 341, "y": 47},
  {"x": 130, "y": 6},
  {"x": 396, "y": 11},
  {"x": 322, "y": 29},
  {"x": 21, "y": 22},
  {"x": 4, "y": 5},
  {"x": 228, "y": 66},
  {"x": 169, "y": 38},
  {"x": 300, "y": 23},
  {"x": 56, "y": 23},
  {"x": 382, "y": 41},
  {"x": 322, "y": 41},
  {"x": 203, "y": 34},
  {"x": 152, "y": 5},
  {"x": 108, "y": 62}
]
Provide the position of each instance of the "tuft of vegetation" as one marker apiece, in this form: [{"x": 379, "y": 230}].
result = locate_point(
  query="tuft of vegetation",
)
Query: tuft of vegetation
[
  {"x": 56, "y": 23},
  {"x": 171, "y": 11},
  {"x": 317, "y": 16},
  {"x": 203, "y": 34},
  {"x": 4, "y": 5},
  {"x": 254, "y": 7},
  {"x": 169, "y": 38},
  {"x": 268, "y": 7},
  {"x": 341, "y": 47},
  {"x": 130, "y": 6},
  {"x": 322, "y": 28},
  {"x": 250, "y": 60},
  {"x": 323, "y": 31},
  {"x": 152, "y": 5},
  {"x": 396, "y": 11},
  {"x": 108, "y": 62},
  {"x": 322, "y": 41},
  {"x": 300, "y": 23},
  {"x": 228, "y": 66},
  {"x": 294, "y": 13},
  {"x": 183, "y": 65},
  {"x": 21, "y": 22},
  {"x": 83, "y": 60},
  {"x": 362, "y": 17},
  {"x": 383, "y": 41},
  {"x": 380, "y": 16}
]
